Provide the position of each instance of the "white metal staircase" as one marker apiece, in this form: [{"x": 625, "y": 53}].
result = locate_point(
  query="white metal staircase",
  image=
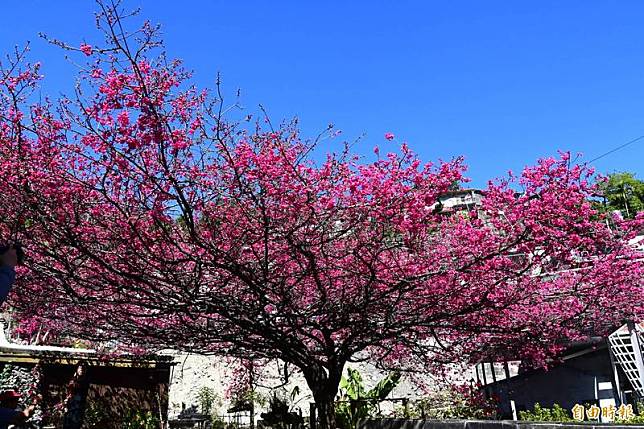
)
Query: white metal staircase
[{"x": 626, "y": 348}]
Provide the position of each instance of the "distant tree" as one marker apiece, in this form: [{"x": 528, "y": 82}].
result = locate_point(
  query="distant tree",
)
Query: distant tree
[{"x": 624, "y": 192}]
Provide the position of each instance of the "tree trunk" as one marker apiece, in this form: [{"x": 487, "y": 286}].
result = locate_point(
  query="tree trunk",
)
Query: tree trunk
[
  {"x": 324, "y": 385},
  {"x": 326, "y": 413}
]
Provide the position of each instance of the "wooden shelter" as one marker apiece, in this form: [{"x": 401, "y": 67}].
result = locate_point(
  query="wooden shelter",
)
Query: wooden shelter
[{"x": 82, "y": 388}]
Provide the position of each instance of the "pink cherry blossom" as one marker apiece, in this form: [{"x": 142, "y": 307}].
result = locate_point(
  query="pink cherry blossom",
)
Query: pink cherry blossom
[
  {"x": 154, "y": 222},
  {"x": 86, "y": 49}
]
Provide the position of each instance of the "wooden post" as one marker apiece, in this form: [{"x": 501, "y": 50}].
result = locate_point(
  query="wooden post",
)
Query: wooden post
[
  {"x": 514, "y": 410},
  {"x": 405, "y": 402},
  {"x": 312, "y": 418},
  {"x": 252, "y": 413}
]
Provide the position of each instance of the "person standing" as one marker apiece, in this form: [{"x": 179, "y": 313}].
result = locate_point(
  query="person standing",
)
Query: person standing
[
  {"x": 9, "y": 414},
  {"x": 8, "y": 262}
]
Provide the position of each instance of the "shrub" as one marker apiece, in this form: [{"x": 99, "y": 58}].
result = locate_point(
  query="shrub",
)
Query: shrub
[
  {"x": 209, "y": 400},
  {"x": 356, "y": 402},
  {"x": 539, "y": 414},
  {"x": 137, "y": 419}
]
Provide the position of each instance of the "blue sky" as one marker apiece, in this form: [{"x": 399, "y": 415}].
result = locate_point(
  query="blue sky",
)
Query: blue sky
[{"x": 502, "y": 83}]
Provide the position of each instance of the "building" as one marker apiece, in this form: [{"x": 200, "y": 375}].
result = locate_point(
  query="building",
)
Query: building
[
  {"x": 459, "y": 200},
  {"x": 600, "y": 371},
  {"x": 83, "y": 387}
]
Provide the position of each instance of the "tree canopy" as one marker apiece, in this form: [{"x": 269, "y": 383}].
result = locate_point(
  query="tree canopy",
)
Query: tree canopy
[{"x": 623, "y": 192}]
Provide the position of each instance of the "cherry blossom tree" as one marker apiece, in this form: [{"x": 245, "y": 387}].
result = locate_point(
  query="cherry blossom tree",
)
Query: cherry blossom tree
[{"x": 153, "y": 222}]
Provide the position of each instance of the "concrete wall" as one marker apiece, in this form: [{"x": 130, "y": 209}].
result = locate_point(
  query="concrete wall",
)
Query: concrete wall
[
  {"x": 195, "y": 371},
  {"x": 480, "y": 424}
]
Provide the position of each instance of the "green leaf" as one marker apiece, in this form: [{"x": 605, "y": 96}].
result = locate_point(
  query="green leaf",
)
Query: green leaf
[{"x": 384, "y": 386}]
